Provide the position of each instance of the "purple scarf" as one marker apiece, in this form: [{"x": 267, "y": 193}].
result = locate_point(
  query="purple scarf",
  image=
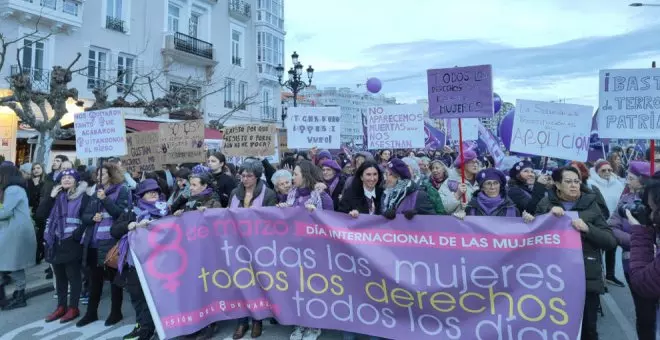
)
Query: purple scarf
[
  {"x": 57, "y": 220},
  {"x": 332, "y": 184},
  {"x": 144, "y": 210},
  {"x": 489, "y": 204}
]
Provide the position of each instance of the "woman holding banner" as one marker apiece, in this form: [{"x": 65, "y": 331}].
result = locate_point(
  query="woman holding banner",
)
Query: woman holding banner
[
  {"x": 453, "y": 190},
  {"x": 201, "y": 192},
  {"x": 525, "y": 189},
  {"x": 223, "y": 184},
  {"x": 111, "y": 200},
  {"x": 492, "y": 199},
  {"x": 402, "y": 195},
  {"x": 365, "y": 193},
  {"x": 597, "y": 236}
]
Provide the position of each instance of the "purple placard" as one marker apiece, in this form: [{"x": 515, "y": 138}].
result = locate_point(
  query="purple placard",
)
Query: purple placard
[
  {"x": 461, "y": 92},
  {"x": 481, "y": 278}
]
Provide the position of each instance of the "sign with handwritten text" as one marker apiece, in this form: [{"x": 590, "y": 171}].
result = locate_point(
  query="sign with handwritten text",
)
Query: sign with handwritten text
[
  {"x": 100, "y": 133},
  {"x": 461, "y": 92},
  {"x": 629, "y": 104},
  {"x": 552, "y": 129},
  {"x": 249, "y": 140},
  {"x": 144, "y": 152},
  {"x": 470, "y": 129},
  {"x": 182, "y": 142},
  {"x": 395, "y": 126},
  {"x": 309, "y": 127}
]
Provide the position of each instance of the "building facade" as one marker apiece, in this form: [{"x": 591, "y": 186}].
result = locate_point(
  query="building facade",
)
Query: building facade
[{"x": 220, "y": 52}]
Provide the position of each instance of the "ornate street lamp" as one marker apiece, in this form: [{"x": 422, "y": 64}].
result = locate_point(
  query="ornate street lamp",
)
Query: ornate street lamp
[{"x": 295, "y": 82}]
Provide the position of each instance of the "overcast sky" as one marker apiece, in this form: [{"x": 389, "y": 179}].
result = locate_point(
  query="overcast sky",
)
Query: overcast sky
[{"x": 539, "y": 49}]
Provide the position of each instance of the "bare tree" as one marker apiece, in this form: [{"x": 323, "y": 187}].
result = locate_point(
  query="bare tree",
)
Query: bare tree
[{"x": 6, "y": 42}]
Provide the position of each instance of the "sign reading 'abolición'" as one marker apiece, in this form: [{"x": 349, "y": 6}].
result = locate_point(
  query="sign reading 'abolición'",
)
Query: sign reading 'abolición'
[{"x": 482, "y": 278}]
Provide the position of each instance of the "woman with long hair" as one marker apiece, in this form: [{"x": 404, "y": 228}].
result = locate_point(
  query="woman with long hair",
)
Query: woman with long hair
[
  {"x": 111, "y": 200},
  {"x": 223, "y": 184},
  {"x": 34, "y": 186},
  {"x": 63, "y": 210},
  {"x": 17, "y": 237}
]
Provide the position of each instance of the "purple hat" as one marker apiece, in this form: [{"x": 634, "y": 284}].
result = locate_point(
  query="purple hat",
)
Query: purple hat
[
  {"x": 639, "y": 168},
  {"x": 324, "y": 154},
  {"x": 69, "y": 172},
  {"x": 491, "y": 174},
  {"x": 400, "y": 168},
  {"x": 331, "y": 164},
  {"x": 201, "y": 170},
  {"x": 147, "y": 185},
  {"x": 519, "y": 167},
  {"x": 468, "y": 156}
]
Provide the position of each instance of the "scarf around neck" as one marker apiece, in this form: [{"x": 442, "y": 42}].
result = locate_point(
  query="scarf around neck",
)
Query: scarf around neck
[
  {"x": 489, "y": 204},
  {"x": 332, "y": 184},
  {"x": 57, "y": 219},
  {"x": 296, "y": 197},
  {"x": 394, "y": 196},
  {"x": 143, "y": 210},
  {"x": 435, "y": 183}
]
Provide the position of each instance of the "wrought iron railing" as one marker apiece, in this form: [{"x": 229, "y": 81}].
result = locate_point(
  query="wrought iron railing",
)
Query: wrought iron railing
[
  {"x": 240, "y": 7},
  {"x": 39, "y": 78},
  {"x": 115, "y": 24},
  {"x": 268, "y": 113},
  {"x": 186, "y": 43}
]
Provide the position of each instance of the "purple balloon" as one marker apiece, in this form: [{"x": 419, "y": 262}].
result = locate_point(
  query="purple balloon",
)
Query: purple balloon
[
  {"x": 506, "y": 128},
  {"x": 374, "y": 85},
  {"x": 497, "y": 102}
]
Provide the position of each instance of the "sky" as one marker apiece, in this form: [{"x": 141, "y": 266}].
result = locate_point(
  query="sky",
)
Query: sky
[{"x": 544, "y": 50}]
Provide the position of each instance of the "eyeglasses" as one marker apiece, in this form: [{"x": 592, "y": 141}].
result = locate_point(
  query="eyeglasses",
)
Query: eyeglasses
[
  {"x": 606, "y": 170},
  {"x": 575, "y": 181}
]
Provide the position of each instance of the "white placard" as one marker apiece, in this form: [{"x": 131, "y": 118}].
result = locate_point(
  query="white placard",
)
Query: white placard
[
  {"x": 552, "y": 129},
  {"x": 470, "y": 128},
  {"x": 395, "y": 127},
  {"x": 100, "y": 133},
  {"x": 629, "y": 104},
  {"x": 309, "y": 127}
]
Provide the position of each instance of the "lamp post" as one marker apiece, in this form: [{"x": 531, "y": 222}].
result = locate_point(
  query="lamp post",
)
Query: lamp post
[{"x": 295, "y": 82}]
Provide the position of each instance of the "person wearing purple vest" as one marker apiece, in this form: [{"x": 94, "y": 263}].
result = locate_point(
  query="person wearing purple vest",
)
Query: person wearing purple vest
[
  {"x": 251, "y": 192},
  {"x": 150, "y": 205},
  {"x": 645, "y": 308},
  {"x": 62, "y": 211},
  {"x": 402, "y": 195},
  {"x": 491, "y": 198},
  {"x": 112, "y": 199}
]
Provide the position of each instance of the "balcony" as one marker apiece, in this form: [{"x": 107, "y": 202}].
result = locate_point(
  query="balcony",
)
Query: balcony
[
  {"x": 268, "y": 114},
  {"x": 189, "y": 50},
  {"x": 59, "y": 15},
  {"x": 39, "y": 78},
  {"x": 240, "y": 10},
  {"x": 186, "y": 43},
  {"x": 115, "y": 24},
  {"x": 236, "y": 61}
]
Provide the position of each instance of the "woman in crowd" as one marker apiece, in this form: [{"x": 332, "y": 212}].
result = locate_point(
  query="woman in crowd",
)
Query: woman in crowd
[
  {"x": 644, "y": 262},
  {"x": 63, "y": 210},
  {"x": 402, "y": 195},
  {"x": 365, "y": 194},
  {"x": 384, "y": 157},
  {"x": 358, "y": 159},
  {"x": 34, "y": 186},
  {"x": 334, "y": 179},
  {"x": 491, "y": 199},
  {"x": 251, "y": 192},
  {"x": 282, "y": 180},
  {"x": 181, "y": 187},
  {"x": 112, "y": 199},
  {"x": 17, "y": 237},
  {"x": 570, "y": 195},
  {"x": 525, "y": 189},
  {"x": 645, "y": 308},
  {"x": 201, "y": 192},
  {"x": 616, "y": 162},
  {"x": 223, "y": 183},
  {"x": 150, "y": 205},
  {"x": 424, "y": 167},
  {"x": 431, "y": 185},
  {"x": 453, "y": 190},
  {"x": 413, "y": 165},
  {"x": 584, "y": 177}
]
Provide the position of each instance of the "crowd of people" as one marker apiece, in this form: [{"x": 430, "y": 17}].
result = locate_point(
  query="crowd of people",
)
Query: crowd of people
[{"x": 78, "y": 218}]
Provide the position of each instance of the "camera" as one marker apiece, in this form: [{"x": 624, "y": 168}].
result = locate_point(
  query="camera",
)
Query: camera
[{"x": 637, "y": 209}]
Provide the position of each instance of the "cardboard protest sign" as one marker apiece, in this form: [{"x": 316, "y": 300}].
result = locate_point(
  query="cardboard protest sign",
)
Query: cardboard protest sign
[
  {"x": 629, "y": 104},
  {"x": 182, "y": 142},
  {"x": 555, "y": 130},
  {"x": 249, "y": 140},
  {"x": 461, "y": 92},
  {"x": 309, "y": 127},
  {"x": 100, "y": 133},
  {"x": 470, "y": 129},
  {"x": 395, "y": 126},
  {"x": 145, "y": 152}
]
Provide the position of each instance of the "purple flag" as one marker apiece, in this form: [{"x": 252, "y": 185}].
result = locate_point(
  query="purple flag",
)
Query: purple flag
[
  {"x": 435, "y": 139},
  {"x": 461, "y": 92},
  {"x": 483, "y": 277}
]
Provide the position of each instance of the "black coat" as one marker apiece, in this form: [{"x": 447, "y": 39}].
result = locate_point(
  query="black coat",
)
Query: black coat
[
  {"x": 223, "y": 185},
  {"x": 337, "y": 193},
  {"x": 269, "y": 171},
  {"x": 474, "y": 209},
  {"x": 355, "y": 200},
  {"x": 524, "y": 198}
]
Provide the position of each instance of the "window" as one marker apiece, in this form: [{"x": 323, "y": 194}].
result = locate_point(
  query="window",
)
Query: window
[
  {"x": 229, "y": 93},
  {"x": 52, "y": 4},
  {"x": 185, "y": 90},
  {"x": 33, "y": 63},
  {"x": 193, "y": 25},
  {"x": 236, "y": 48},
  {"x": 271, "y": 11},
  {"x": 242, "y": 94},
  {"x": 125, "y": 72},
  {"x": 70, "y": 7},
  {"x": 270, "y": 50},
  {"x": 114, "y": 9},
  {"x": 173, "y": 18},
  {"x": 96, "y": 65}
]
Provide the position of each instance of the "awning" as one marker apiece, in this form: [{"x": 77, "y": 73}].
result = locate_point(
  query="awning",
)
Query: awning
[{"x": 145, "y": 125}]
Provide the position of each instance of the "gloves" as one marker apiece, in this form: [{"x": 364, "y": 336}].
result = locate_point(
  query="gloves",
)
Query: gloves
[
  {"x": 409, "y": 214},
  {"x": 390, "y": 214}
]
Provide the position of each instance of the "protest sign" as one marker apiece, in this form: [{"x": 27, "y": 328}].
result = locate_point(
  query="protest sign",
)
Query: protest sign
[
  {"x": 629, "y": 102},
  {"x": 309, "y": 127},
  {"x": 481, "y": 278},
  {"x": 182, "y": 142},
  {"x": 395, "y": 126},
  {"x": 470, "y": 129},
  {"x": 100, "y": 133},
  {"x": 461, "y": 92},
  {"x": 144, "y": 152},
  {"x": 555, "y": 130},
  {"x": 249, "y": 140}
]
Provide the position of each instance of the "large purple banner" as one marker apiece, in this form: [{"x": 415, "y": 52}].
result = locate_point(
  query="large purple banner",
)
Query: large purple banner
[{"x": 433, "y": 277}]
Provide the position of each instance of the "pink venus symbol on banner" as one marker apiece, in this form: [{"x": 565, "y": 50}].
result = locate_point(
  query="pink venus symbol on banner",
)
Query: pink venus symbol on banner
[{"x": 154, "y": 239}]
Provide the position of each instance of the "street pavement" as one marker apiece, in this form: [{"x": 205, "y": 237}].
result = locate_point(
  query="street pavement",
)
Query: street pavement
[{"x": 27, "y": 323}]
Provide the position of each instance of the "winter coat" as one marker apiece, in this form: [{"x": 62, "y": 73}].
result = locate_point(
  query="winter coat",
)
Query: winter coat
[
  {"x": 644, "y": 264},
  {"x": 524, "y": 198},
  {"x": 610, "y": 189},
  {"x": 622, "y": 229},
  {"x": 337, "y": 193},
  {"x": 600, "y": 200},
  {"x": 434, "y": 196},
  {"x": 416, "y": 198},
  {"x": 34, "y": 194},
  {"x": 506, "y": 209},
  {"x": 598, "y": 238},
  {"x": 68, "y": 250},
  {"x": 194, "y": 202},
  {"x": 270, "y": 199},
  {"x": 448, "y": 190},
  {"x": 18, "y": 242},
  {"x": 352, "y": 200},
  {"x": 223, "y": 184},
  {"x": 269, "y": 171},
  {"x": 96, "y": 256}
]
